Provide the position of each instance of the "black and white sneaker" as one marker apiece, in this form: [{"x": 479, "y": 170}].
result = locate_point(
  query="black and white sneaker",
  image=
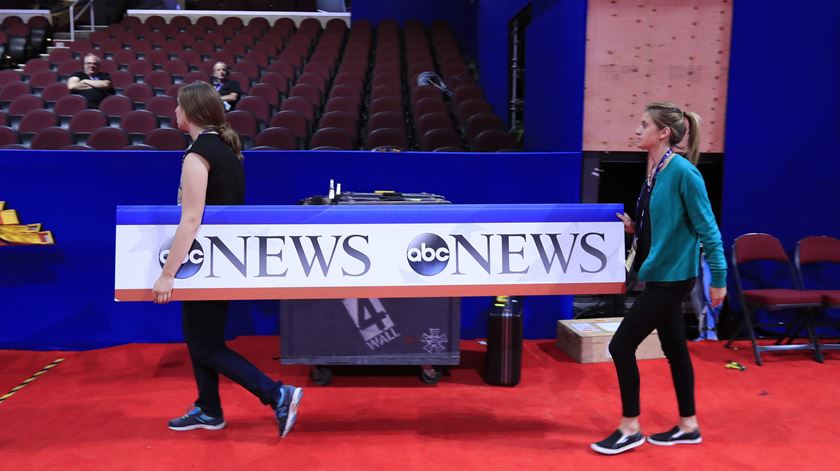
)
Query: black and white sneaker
[
  {"x": 618, "y": 442},
  {"x": 288, "y": 400},
  {"x": 675, "y": 436},
  {"x": 195, "y": 418}
]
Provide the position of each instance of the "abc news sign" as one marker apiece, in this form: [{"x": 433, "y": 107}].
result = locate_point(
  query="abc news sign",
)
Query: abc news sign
[{"x": 297, "y": 261}]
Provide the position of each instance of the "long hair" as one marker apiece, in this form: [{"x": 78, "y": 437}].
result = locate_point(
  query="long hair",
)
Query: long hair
[
  {"x": 669, "y": 115},
  {"x": 203, "y": 106}
]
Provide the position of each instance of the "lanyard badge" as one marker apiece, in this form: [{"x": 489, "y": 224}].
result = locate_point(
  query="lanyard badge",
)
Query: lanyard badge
[{"x": 647, "y": 189}]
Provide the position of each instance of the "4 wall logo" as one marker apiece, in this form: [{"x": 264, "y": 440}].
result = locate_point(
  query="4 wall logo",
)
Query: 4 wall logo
[
  {"x": 192, "y": 261},
  {"x": 374, "y": 323}
]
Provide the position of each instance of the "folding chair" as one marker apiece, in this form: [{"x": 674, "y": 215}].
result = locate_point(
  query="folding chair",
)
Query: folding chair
[
  {"x": 817, "y": 261},
  {"x": 764, "y": 247}
]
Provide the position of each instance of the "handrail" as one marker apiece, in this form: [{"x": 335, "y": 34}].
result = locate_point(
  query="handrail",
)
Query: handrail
[{"x": 81, "y": 11}]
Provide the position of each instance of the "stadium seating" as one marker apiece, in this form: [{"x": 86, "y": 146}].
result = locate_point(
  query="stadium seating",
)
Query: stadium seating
[{"x": 304, "y": 87}]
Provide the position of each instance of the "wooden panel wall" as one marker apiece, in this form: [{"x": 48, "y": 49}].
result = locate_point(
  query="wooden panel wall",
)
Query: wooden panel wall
[{"x": 638, "y": 51}]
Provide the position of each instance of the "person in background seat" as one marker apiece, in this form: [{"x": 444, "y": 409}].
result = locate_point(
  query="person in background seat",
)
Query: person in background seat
[
  {"x": 91, "y": 83},
  {"x": 228, "y": 89}
]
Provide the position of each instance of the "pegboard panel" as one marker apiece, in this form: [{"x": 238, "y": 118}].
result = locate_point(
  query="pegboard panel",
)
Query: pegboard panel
[{"x": 638, "y": 51}]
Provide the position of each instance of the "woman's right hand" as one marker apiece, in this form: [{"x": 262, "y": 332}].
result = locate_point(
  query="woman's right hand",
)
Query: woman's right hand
[{"x": 629, "y": 225}]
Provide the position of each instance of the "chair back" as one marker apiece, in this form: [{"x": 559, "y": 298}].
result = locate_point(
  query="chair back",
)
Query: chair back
[
  {"x": 817, "y": 261},
  {"x": 760, "y": 247}
]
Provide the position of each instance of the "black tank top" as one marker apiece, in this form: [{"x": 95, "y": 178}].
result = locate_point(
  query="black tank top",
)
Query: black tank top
[{"x": 226, "y": 181}]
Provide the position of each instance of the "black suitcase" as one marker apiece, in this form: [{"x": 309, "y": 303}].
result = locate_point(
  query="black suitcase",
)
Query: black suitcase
[{"x": 503, "y": 362}]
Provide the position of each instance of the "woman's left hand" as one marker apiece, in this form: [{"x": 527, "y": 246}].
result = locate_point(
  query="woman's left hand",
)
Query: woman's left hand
[
  {"x": 717, "y": 295},
  {"x": 162, "y": 291}
]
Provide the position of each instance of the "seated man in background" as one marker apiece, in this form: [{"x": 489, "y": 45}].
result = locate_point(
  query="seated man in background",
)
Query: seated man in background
[
  {"x": 91, "y": 83},
  {"x": 227, "y": 88}
]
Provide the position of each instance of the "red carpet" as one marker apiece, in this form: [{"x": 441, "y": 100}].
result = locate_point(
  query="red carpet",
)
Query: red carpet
[{"x": 107, "y": 409}]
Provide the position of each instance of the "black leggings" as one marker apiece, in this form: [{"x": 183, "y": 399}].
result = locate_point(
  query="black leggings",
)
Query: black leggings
[
  {"x": 659, "y": 307},
  {"x": 204, "y": 332}
]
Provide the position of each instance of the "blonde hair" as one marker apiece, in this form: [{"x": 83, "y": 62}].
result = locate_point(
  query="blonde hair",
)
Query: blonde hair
[
  {"x": 669, "y": 115},
  {"x": 203, "y": 106}
]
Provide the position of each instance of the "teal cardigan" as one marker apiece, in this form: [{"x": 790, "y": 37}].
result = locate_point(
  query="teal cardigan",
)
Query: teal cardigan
[{"x": 680, "y": 219}]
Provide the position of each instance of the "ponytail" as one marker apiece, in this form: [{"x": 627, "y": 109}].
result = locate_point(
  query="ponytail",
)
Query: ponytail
[
  {"x": 231, "y": 139},
  {"x": 692, "y": 152},
  {"x": 668, "y": 115},
  {"x": 203, "y": 107}
]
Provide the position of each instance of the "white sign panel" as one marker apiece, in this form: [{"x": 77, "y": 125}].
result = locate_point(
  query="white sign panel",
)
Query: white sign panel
[{"x": 288, "y": 261}]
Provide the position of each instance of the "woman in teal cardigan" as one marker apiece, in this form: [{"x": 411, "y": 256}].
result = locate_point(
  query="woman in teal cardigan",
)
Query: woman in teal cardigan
[{"x": 673, "y": 217}]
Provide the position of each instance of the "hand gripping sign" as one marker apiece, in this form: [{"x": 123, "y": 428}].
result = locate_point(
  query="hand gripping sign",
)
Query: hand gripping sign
[{"x": 308, "y": 252}]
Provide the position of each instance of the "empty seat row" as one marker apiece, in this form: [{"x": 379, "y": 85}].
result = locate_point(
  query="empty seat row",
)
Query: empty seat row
[{"x": 104, "y": 138}]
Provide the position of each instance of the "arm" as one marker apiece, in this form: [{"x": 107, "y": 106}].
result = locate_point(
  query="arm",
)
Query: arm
[
  {"x": 233, "y": 91},
  {"x": 629, "y": 225},
  {"x": 232, "y": 96},
  {"x": 99, "y": 84},
  {"x": 75, "y": 83},
  {"x": 193, "y": 190},
  {"x": 699, "y": 210}
]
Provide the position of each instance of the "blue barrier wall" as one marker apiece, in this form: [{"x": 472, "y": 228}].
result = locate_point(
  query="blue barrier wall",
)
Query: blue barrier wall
[
  {"x": 62, "y": 296},
  {"x": 555, "y": 59},
  {"x": 783, "y": 113}
]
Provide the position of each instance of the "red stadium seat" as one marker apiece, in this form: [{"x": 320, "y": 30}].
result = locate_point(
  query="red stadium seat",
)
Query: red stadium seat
[
  {"x": 167, "y": 139},
  {"x": 278, "y": 138},
  {"x": 432, "y": 121},
  {"x": 332, "y": 137},
  {"x": 36, "y": 120},
  {"x": 13, "y": 89},
  {"x": 84, "y": 123},
  {"x": 70, "y": 105},
  {"x": 8, "y": 136},
  {"x": 163, "y": 107},
  {"x": 386, "y": 119},
  {"x": 243, "y": 122},
  {"x": 26, "y": 103},
  {"x": 115, "y": 107},
  {"x": 293, "y": 120},
  {"x": 256, "y": 105},
  {"x": 108, "y": 139},
  {"x": 436, "y": 138},
  {"x": 52, "y": 138},
  {"x": 138, "y": 124},
  {"x": 386, "y": 137},
  {"x": 139, "y": 92},
  {"x": 301, "y": 105},
  {"x": 158, "y": 80},
  {"x": 268, "y": 92},
  {"x": 481, "y": 122},
  {"x": 341, "y": 120},
  {"x": 493, "y": 140}
]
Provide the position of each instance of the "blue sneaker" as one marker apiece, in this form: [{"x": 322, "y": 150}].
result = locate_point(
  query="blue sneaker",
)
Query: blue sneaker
[
  {"x": 196, "y": 418},
  {"x": 288, "y": 400}
]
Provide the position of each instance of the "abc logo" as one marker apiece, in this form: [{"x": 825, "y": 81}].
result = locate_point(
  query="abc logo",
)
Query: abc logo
[
  {"x": 428, "y": 254},
  {"x": 192, "y": 262}
]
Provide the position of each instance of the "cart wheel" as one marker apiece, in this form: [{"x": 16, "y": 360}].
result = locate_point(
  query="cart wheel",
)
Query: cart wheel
[
  {"x": 430, "y": 374},
  {"x": 322, "y": 375}
]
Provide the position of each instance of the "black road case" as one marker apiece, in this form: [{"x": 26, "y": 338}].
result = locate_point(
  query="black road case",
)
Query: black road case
[{"x": 372, "y": 331}]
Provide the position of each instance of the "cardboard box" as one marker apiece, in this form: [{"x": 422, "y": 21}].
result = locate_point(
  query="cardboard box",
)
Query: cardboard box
[{"x": 588, "y": 340}]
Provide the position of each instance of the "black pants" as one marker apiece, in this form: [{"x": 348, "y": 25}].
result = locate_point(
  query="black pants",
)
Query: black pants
[
  {"x": 204, "y": 332},
  {"x": 659, "y": 307}
]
